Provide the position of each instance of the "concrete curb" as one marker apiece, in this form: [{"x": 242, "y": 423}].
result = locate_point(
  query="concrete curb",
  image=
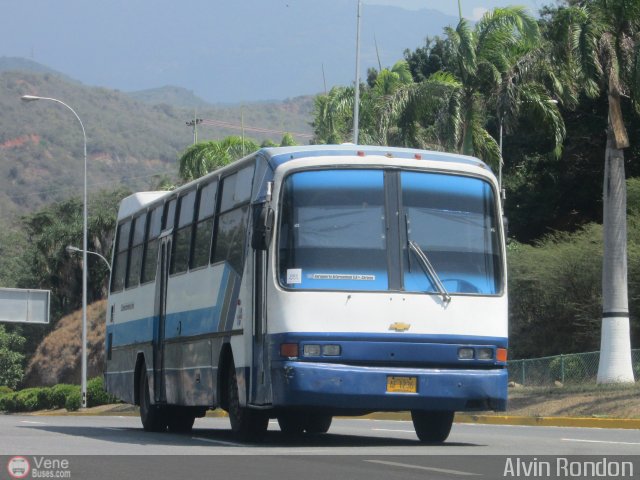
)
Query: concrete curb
[{"x": 582, "y": 422}]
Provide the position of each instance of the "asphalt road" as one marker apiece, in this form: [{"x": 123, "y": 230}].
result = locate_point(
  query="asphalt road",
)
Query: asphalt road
[{"x": 354, "y": 448}]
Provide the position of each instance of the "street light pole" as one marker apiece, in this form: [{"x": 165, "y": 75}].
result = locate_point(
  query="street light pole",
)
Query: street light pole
[
  {"x": 356, "y": 102},
  {"x": 32, "y": 98}
]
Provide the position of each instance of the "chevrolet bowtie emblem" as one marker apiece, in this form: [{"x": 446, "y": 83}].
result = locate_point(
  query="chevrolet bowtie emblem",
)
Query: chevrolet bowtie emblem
[{"x": 400, "y": 327}]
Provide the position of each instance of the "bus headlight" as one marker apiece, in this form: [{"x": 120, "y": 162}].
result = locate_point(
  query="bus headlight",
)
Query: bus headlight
[
  {"x": 465, "y": 353},
  {"x": 331, "y": 350},
  {"x": 485, "y": 353},
  {"x": 311, "y": 351},
  {"x": 315, "y": 350}
]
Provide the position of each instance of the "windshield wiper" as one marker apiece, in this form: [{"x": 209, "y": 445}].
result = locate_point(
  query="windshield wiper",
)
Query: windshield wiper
[{"x": 431, "y": 272}]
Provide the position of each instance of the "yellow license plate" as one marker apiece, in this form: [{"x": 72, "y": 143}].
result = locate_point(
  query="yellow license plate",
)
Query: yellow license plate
[{"x": 402, "y": 384}]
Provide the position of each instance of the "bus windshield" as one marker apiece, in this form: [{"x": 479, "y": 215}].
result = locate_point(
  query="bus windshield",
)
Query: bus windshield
[{"x": 350, "y": 230}]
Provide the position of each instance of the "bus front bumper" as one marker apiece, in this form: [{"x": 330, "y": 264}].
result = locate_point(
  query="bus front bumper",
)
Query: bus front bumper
[{"x": 358, "y": 388}]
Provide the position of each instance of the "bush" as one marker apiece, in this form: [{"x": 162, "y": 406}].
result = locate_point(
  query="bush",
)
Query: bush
[
  {"x": 27, "y": 400},
  {"x": 8, "y": 402},
  {"x": 4, "y": 390},
  {"x": 74, "y": 401},
  {"x": 60, "y": 393},
  {"x": 96, "y": 395},
  {"x": 575, "y": 370}
]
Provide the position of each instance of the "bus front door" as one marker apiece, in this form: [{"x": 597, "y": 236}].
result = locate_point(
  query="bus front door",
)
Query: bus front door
[
  {"x": 160, "y": 392},
  {"x": 260, "y": 371}
]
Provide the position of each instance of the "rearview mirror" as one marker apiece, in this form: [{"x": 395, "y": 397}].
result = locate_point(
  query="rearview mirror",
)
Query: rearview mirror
[{"x": 262, "y": 225}]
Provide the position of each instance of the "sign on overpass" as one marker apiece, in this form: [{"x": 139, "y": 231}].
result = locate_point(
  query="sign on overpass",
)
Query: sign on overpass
[{"x": 19, "y": 305}]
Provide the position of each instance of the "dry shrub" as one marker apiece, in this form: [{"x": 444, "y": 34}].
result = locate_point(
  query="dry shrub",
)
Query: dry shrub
[{"x": 57, "y": 358}]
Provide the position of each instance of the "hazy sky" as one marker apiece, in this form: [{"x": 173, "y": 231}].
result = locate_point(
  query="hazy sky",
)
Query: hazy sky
[
  {"x": 471, "y": 9},
  {"x": 224, "y": 51}
]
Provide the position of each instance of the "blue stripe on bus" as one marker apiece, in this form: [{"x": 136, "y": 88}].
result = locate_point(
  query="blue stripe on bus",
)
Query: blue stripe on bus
[
  {"x": 179, "y": 324},
  {"x": 392, "y": 347}
]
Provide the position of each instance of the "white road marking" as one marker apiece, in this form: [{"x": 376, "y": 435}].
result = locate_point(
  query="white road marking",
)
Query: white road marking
[
  {"x": 218, "y": 442},
  {"x": 420, "y": 467},
  {"x": 599, "y": 441},
  {"x": 33, "y": 423}
]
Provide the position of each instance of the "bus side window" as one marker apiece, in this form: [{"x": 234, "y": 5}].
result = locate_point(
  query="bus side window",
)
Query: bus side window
[
  {"x": 135, "y": 260},
  {"x": 182, "y": 239},
  {"x": 231, "y": 225},
  {"x": 231, "y": 238},
  {"x": 122, "y": 250},
  {"x": 154, "y": 225},
  {"x": 204, "y": 225}
]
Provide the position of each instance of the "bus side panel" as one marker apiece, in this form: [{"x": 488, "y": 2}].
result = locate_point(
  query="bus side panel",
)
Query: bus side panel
[
  {"x": 201, "y": 309},
  {"x": 129, "y": 332}
]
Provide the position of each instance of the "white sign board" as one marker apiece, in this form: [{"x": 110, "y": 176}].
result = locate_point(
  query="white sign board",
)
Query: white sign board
[{"x": 19, "y": 305}]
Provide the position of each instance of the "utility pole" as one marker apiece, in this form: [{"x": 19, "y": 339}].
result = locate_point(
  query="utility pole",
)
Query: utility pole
[
  {"x": 194, "y": 123},
  {"x": 356, "y": 102}
]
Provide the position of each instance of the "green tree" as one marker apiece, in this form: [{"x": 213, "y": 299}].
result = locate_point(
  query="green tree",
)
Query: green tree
[
  {"x": 599, "y": 43},
  {"x": 11, "y": 358},
  {"x": 287, "y": 140},
  {"x": 204, "y": 157},
  {"x": 489, "y": 61},
  {"x": 51, "y": 267}
]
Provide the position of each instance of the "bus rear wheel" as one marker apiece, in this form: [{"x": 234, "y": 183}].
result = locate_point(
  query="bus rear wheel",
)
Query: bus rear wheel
[
  {"x": 152, "y": 416},
  {"x": 246, "y": 424},
  {"x": 432, "y": 426}
]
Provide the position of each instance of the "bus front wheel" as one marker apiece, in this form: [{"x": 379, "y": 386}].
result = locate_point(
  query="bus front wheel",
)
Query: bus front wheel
[
  {"x": 152, "y": 416},
  {"x": 247, "y": 424},
  {"x": 432, "y": 426}
]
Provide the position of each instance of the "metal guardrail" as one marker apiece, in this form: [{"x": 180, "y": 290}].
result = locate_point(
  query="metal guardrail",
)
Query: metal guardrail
[{"x": 574, "y": 368}]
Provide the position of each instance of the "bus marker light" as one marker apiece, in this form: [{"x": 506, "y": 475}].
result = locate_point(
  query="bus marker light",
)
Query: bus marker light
[
  {"x": 501, "y": 354},
  {"x": 417, "y": 156},
  {"x": 311, "y": 351},
  {"x": 360, "y": 153},
  {"x": 289, "y": 350},
  {"x": 485, "y": 353},
  {"x": 465, "y": 353}
]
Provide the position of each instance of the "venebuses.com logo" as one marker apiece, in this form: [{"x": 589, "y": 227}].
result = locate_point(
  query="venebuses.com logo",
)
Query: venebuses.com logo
[{"x": 18, "y": 467}]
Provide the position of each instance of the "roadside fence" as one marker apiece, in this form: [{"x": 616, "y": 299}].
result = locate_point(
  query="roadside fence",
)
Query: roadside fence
[{"x": 574, "y": 368}]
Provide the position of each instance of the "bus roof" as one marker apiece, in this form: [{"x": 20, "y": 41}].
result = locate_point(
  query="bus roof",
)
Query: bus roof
[
  {"x": 133, "y": 203},
  {"x": 279, "y": 155}
]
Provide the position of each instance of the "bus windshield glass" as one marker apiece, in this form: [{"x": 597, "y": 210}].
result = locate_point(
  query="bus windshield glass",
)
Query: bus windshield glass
[
  {"x": 452, "y": 219},
  {"x": 349, "y": 230}
]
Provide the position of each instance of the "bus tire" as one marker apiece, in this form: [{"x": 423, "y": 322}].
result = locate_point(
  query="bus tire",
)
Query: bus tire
[
  {"x": 432, "y": 426},
  {"x": 291, "y": 423},
  {"x": 180, "y": 419},
  {"x": 316, "y": 424},
  {"x": 152, "y": 416},
  {"x": 246, "y": 424}
]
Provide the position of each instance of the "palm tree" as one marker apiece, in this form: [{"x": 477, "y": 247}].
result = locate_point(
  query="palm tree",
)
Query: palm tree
[
  {"x": 490, "y": 68},
  {"x": 599, "y": 40},
  {"x": 204, "y": 157}
]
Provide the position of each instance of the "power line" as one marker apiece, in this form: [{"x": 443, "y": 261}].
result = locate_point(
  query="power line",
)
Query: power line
[{"x": 220, "y": 123}]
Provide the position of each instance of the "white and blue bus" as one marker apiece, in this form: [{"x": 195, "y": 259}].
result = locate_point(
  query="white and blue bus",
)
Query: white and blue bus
[{"x": 306, "y": 282}]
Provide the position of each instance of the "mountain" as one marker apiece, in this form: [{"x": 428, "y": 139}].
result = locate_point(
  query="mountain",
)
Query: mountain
[
  {"x": 171, "y": 95},
  {"x": 10, "y": 64},
  {"x": 129, "y": 143}
]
